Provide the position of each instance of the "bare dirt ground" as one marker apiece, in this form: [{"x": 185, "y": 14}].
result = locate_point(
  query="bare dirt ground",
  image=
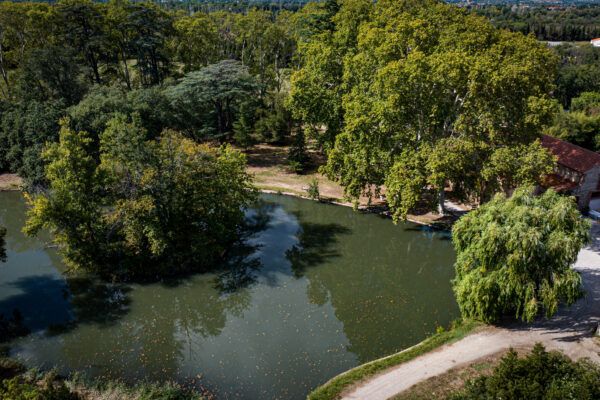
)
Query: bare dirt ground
[
  {"x": 268, "y": 165},
  {"x": 10, "y": 182},
  {"x": 570, "y": 331}
]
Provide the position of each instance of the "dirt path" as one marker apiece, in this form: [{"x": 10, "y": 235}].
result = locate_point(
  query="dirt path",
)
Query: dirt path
[{"x": 570, "y": 331}]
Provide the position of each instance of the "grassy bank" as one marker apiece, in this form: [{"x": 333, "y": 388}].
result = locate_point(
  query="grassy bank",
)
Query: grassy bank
[
  {"x": 19, "y": 383},
  {"x": 333, "y": 389}
]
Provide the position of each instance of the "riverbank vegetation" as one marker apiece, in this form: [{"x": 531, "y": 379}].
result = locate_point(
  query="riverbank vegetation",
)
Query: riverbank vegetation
[
  {"x": 535, "y": 374},
  {"x": 19, "y": 383},
  {"x": 539, "y": 375},
  {"x": 332, "y": 389},
  {"x": 131, "y": 207}
]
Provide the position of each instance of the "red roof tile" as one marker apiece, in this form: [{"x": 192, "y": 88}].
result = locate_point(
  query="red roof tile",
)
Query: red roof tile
[
  {"x": 570, "y": 155},
  {"x": 558, "y": 182}
]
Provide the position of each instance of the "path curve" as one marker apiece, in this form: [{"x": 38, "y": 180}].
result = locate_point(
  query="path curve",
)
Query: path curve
[{"x": 570, "y": 331}]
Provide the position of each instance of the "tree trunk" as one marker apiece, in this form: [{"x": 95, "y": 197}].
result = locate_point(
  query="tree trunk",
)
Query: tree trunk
[
  {"x": 94, "y": 64},
  {"x": 127, "y": 80},
  {"x": 441, "y": 200},
  {"x": 4, "y": 73}
]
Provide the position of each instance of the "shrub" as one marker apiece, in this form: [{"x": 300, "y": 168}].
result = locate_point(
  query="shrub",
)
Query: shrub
[
  {"x": 313, "y": 189},
  {"x": 541, "y": 375}
]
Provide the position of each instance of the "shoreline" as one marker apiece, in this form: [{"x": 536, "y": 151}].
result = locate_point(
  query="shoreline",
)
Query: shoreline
[{"x": 361, "y": 207}]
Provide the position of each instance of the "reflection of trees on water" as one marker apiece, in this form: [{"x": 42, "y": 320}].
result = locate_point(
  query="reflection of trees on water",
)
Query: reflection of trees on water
[
  {"x": 391, "y": 286},
  {"x": 147, "y": 335},
  {"x": 12, "y": 217},
  {"x": 316, "y": 245}
]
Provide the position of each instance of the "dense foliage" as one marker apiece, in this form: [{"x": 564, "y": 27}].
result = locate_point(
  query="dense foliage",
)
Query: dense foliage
[
  {"x": 90, "y": 60},
  {"x": 568, "y": 23},
  {"x": 418, "y": 95},
  {"x": 514, "y": 255},
  {"x": 13, "y": 389},
  {"x": 163, "y": 206},
  {"x": 540, "y": 375}
]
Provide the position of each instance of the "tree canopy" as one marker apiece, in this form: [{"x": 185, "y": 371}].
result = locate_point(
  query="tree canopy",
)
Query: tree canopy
[
  {"x": 164, "y": 206},
  {"x": 515, "y": 255},
  {"x": 419, "y": 95}
]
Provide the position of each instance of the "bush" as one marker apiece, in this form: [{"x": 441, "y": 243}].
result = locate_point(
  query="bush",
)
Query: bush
[
  {"x": 541, "y": 375},
  {"x": 313, "y": 189},
  {"x": 514, "y": 255},
  {"x": 297, "y": 155}
]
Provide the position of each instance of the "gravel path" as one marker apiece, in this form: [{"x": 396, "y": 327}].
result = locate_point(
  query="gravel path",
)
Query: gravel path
[{"x": 570, "y": 331}]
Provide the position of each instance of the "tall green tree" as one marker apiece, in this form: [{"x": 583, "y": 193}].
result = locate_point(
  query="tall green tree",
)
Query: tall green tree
[
  {"x": 423, "y": 96},
  {"x": 196, "y": 41},
  {"x": 145, "y": 208},
  {"x": 515, "y": 255},
  {"x": 217, "y": 88},
  {"x": 81, "y": 25}
]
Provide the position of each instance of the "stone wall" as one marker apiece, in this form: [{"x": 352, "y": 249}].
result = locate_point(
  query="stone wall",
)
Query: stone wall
[{"x": 588, "y": 184}]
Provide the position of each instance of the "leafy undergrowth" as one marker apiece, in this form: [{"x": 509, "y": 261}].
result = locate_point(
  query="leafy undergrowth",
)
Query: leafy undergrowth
[
  {"x": 17, "y": 383},
  {"x": 333, "y": 388}
]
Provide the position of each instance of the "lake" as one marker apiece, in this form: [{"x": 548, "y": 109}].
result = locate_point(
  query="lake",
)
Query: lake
[{"x": 315, "y": 290}]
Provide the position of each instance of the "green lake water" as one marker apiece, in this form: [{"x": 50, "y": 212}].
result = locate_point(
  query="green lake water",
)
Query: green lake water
[{"x": 318, "y": 289}]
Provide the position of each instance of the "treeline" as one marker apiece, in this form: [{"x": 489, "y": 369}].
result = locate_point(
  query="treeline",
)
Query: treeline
[
  {"x": 213, "y": 76},
  {"x": 574, "y": 23}
]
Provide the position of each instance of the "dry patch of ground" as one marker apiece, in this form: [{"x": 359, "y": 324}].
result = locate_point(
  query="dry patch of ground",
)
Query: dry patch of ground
[
  {"x": 453, "y": 380},
  {"x": 10, "y": 182},
  {"x": 268, "y": 164}
]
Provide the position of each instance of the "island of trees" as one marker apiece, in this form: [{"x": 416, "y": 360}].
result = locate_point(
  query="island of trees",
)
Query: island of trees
[{"x": 126, "y": 122}]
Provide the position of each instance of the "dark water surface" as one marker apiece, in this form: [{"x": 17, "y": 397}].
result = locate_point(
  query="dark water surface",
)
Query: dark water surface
[{"x": 317, "y": 290}]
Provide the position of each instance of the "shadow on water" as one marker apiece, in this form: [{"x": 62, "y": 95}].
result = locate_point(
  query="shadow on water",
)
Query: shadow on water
[
  {"x": 93, "y": 301},
  {"x": 315, "y": 245},
  {"x": 40, "y": 300},
  {"x": 59, "y": 304}
]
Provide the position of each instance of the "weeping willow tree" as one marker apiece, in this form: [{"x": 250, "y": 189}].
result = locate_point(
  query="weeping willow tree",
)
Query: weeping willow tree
[{"x": 514, "y": 255}]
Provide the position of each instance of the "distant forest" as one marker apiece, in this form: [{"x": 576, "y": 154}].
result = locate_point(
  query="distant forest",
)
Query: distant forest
[{"x": 573, "y": 23}]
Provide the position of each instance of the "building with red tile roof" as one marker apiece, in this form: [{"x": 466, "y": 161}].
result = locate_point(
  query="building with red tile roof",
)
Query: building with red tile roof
[{"x": 578, "y": 172}]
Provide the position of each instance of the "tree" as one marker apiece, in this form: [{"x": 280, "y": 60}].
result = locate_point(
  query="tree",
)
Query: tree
[
  {"x": 71, "y": 207},
  {"x": 81, "y": 25},
  {"x": 515, "y": 254},
  {"x": 422, "y": 95},
  {"x": 145, "y": 208},
  {"x": 218, "y": 87},
  {"x": 25, "y": 129},
  {"x": 196, "y": 41},
  {"x": 150, "y": 28},
  {"x": 52, "y": 73}
]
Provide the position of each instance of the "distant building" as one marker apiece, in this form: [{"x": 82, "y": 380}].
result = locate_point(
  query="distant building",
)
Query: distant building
[
  {"x": 578, "y": 172},
  {"x": 595, "y": 42}
]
